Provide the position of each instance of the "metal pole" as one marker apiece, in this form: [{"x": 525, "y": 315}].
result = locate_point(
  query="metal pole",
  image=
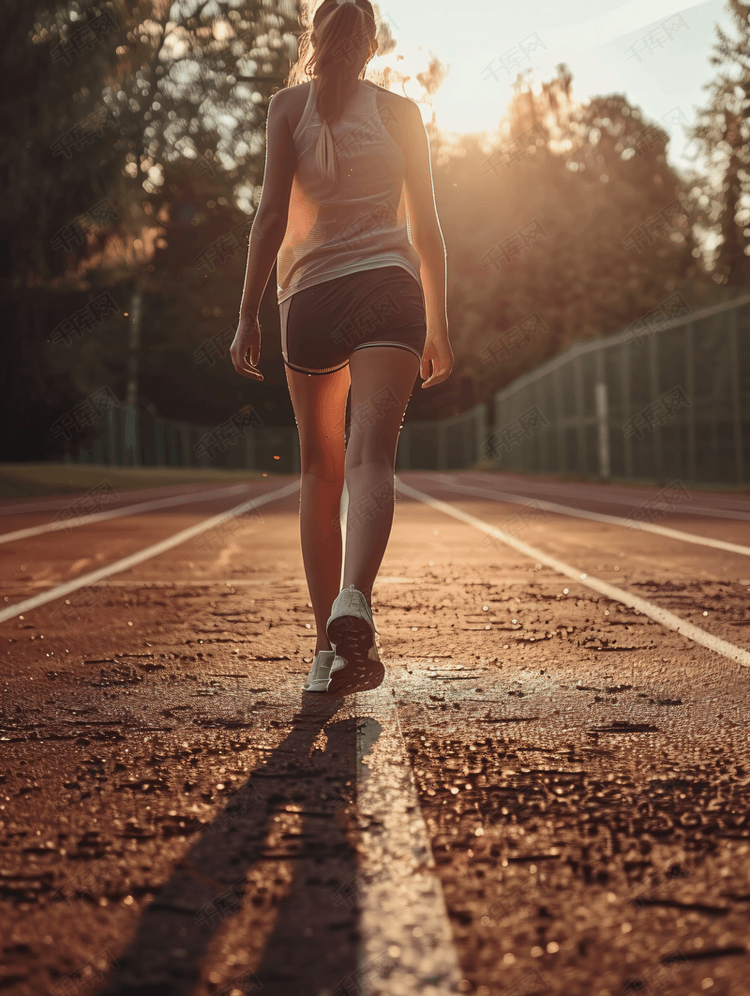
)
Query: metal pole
[{"x": 602, "y": 416}]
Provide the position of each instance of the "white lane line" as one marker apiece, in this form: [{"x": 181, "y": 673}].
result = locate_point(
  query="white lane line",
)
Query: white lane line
[
  {"x": 144, "y": 493},
  {"x": 662, "y": 616},
  {"x": 620, "y": 498},
  {"x": 146, "y": 554},
  {"x": 146, "y": 506},
  {"x": 614, "y": 520},
  {"x": 398, "y": 890}
]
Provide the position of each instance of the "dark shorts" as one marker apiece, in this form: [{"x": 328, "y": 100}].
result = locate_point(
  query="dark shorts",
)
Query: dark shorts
[{"x": 322, "y": 326}]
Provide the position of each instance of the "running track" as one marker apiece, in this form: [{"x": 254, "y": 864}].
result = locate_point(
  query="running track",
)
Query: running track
[{"x": 564, "y": 617}]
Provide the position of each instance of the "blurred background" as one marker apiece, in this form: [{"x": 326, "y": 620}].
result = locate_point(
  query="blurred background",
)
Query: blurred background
[{"x": 591, "y": 163}]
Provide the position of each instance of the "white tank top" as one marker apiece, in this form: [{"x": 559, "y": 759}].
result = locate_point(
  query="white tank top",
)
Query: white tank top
[{"x": 357, "y": 222}]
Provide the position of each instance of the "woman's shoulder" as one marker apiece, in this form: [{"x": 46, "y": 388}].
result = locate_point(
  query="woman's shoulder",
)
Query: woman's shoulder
[
  {"x": 288, "y": 96},
  {"x": 398, "y": 114},
  {"x": 292, "y": 100},
  {"x": 389, "y": 94},
  {"x": 393, "y": 108}
]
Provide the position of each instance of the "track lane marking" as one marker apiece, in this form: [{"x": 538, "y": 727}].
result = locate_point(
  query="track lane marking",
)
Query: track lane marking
[
  {"x": 398, "y": 888},
  {"x": 51, "y": 503},
  {"x": 615, "y": 520},
  {"x": 662, "y": 616},
  {"x": 146, "y": 554},
  {"x": 146, "y": 506},
  {"x": 619, "y": 498}
]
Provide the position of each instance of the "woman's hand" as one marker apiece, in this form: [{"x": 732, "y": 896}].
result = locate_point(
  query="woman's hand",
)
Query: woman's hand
[
  {"x": 437, "y": 350},
  {"x": 247, "y": 340}
]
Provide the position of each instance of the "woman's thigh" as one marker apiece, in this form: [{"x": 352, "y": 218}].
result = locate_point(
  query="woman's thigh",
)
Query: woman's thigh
[
  {"x": 383, "y": 379},
  {"x": 319, "y": 402}
]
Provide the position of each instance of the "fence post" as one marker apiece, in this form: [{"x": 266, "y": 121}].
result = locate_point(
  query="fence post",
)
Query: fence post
[
  {"x": 734, "y": 373},
  {"x": 602, "y": 429},
  {"x": 602, "y": 416},
  {"x": 130, "y": 447}
]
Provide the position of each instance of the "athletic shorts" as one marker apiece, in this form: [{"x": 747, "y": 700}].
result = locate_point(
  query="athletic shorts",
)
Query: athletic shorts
[{"x": 323, "y": 325}]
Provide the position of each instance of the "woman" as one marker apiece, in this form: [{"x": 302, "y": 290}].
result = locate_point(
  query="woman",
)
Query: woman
[{"x": 363, "y": 309}]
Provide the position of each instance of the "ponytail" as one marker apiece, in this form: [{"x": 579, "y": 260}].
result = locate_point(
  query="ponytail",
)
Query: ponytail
[{"x": 343, "y": 32}]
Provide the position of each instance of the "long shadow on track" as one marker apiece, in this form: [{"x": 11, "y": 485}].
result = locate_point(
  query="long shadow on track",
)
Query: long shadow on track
[{"x": 313, "y": 945}]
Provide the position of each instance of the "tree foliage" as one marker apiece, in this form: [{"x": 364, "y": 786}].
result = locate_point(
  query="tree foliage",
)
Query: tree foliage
[
  {"x": 721, "y": 137},
  {"x": 107, "y": 97},
  {"x": 134, "y": 154},
  {"x": 536, "y": 222}
]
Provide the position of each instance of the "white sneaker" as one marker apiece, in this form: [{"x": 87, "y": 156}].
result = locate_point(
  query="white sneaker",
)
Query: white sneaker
[
  {"x": 351, "y": 630},
  {"x": 324, "y": 665}
]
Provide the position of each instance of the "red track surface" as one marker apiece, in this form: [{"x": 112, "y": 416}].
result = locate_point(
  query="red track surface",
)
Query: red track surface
[{"x": 601, "y": 756}]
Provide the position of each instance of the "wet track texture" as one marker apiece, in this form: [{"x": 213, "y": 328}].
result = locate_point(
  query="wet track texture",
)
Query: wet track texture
[{"x": 178, "y": 817}]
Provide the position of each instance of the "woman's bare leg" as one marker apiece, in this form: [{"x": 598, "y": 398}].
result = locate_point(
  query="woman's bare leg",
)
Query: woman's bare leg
[
  {"x": 319, "y": 402},
  {"x": 382, "y": 380}
]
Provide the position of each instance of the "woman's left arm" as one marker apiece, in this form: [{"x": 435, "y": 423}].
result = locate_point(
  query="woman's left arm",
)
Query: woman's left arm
[{"x": 267, "y": 233}]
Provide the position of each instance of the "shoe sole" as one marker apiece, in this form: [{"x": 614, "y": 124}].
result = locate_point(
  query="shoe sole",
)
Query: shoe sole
[{"x": 354, "y": 640}]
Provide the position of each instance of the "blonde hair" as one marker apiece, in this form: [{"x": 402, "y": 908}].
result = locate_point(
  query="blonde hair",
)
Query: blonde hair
[{"x": 344, "y": 33}]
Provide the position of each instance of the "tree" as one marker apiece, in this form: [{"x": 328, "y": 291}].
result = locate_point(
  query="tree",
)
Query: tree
[
  {"x": 543, "y": 219},
  {"x": 106, "y": 94},
  {"x": 722, "y": 139}
]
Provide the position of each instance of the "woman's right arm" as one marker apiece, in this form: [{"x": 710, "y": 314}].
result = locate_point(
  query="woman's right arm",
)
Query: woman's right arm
[{"x": 427, "y": 239}]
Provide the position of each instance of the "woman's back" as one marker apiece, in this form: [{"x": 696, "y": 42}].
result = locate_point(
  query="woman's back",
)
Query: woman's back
[{"x": 357, "y": 220}]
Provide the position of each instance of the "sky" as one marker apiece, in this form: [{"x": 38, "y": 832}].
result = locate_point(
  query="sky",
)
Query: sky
[{"x": 653, "y": 51}]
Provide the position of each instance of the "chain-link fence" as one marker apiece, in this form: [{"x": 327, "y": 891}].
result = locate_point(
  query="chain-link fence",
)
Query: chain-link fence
[
  {"x": 449, "y": 444},
  {"x": 125, "y": 436},
  {"x": 668, "y": 397}
]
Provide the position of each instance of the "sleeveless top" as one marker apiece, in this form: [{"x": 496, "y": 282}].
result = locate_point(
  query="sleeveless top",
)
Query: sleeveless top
[{"x": 353, "y": 223}]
